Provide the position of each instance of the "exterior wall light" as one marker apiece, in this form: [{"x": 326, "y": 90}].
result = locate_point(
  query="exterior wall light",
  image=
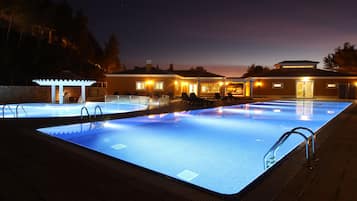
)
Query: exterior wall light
[
  {"x": 305, "y": 79},
  {"x": 258, "y": 83},
  {"x": 149, "y": 82}
]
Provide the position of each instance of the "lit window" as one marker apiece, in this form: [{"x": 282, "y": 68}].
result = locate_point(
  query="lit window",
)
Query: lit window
[
  {"x": 140, "y": 85},
  {"x": 159, "y": 85},
  {"x": 210, "y": 87},
  {"x": 331, "y": 85},
  {"x": 278, "y": 85},
  {"x": 203, "y": 88}
]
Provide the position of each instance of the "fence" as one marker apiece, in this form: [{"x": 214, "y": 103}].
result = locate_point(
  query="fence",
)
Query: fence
[{"x": 145, "y": 100}]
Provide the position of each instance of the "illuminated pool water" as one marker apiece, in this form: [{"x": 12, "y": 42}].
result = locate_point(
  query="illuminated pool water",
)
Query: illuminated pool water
[
  {"x": 44, "y": 110},
  {"x": 219, "y": 149}
]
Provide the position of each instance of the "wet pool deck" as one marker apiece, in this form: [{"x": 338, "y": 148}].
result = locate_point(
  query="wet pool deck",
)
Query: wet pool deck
[
  {"x": 38, "y": 167},
  {"x": 334, "y": 174}
]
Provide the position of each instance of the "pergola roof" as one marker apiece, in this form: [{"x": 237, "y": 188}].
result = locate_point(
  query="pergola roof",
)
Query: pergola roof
[
  {"x": 57, "y": 82},
  {"x": 62, "y": 83}
]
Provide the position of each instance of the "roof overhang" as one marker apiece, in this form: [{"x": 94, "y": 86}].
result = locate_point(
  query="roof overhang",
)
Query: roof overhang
[
  {"x": 142, "y": 75},
  {"x": 203, "y": 78},
  {"x": 311, "y": 77},
  {"x": 164, "y": 75}
]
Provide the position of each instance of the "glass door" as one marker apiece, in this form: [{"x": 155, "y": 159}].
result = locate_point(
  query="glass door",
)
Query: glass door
[{"x": 305, "y": 89}]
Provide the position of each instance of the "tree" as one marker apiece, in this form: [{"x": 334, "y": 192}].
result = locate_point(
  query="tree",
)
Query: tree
[
  {"x": 254, "y": 70},
  {"x": 14, "y": 13},
  {"x": 51, "y": 37},
  {"x": 111, "y": 55},
  {"x": 344, "y": 59}
]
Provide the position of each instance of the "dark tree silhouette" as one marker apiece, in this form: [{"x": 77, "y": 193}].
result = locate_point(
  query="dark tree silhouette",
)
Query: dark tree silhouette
[
  {"x": 111, "y": 61},
  {"x": 255, "y": 70},
  {"x": 344, "y": 59},
  {"x": 40, "y": 37}
]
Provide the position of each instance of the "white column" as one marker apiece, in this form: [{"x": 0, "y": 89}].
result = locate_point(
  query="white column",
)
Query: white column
[
  {"x": 60, "y": 94},
  {"x": 53, "y": 93},
  {"x": 83, "y": 93}
]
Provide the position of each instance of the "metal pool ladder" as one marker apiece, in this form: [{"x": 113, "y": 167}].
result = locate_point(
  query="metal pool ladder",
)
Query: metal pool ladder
[
  {"x": 3, "y": 110},
  {"x": 270, "y": 156},
  {"x": 17, "y": 110},
  {"x": 100, "y": 110},
  {"x": 85, "y": 109}
]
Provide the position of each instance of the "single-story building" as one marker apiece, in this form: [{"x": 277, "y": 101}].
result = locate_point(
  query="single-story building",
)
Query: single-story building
[
  {"x": 289, "y": 79},
  {"x": 154, "y": 81},
  {"x": 299, "y": 79}
]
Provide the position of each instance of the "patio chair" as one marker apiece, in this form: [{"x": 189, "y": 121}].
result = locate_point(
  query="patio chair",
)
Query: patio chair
[
  {"x": 185, "y": 98},
  {"x": 217, "y": 96},
  {"x": 199, "y": 101}
]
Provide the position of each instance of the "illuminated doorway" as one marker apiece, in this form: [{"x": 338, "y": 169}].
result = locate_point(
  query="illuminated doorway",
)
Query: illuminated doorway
[
  {"x": 305, "y": 89},
  {"x": 192, "y": 88}
]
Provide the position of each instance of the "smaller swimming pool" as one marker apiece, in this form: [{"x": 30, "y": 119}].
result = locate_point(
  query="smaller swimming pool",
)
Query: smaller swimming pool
[{"x": 47, "y": 110}]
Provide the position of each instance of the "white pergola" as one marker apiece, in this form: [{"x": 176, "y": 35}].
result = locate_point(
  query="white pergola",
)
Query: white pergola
[{"x": 62, "y": 83}]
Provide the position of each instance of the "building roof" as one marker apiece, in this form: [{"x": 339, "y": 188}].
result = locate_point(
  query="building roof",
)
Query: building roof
[
  {"x": 195, "y": 73},
  {"x": 157, "y": 71},
  {"x": 297, "y": 62},
  {"x": 144, "y": 70},
  {"x": 302, "y": 72}
]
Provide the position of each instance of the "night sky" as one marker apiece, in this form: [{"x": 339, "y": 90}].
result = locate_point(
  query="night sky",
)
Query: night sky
[{"x": 224, "y": 34}]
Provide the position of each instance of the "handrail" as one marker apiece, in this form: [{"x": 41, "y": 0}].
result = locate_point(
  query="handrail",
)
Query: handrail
[
  {"x": 3, "y": 110},
  {"x": 86, "y": 109},
  {"x": 100, "y": 110},
  {"x": 280, "y": 141},
  {"x": 17, "y": 110},
  {"x": 313, "y": 136}
]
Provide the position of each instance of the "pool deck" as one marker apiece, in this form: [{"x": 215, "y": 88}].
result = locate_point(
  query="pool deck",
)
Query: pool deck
[{"x": 38, "y": 167}]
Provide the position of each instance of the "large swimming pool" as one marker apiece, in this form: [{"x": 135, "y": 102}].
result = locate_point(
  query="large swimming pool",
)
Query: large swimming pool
[
  {"x": 220, "y": 149},
  {"x": 46, "y": 110}
]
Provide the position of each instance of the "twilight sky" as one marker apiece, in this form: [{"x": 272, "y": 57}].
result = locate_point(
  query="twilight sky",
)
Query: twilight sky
[{"x": 222, "y": 34}]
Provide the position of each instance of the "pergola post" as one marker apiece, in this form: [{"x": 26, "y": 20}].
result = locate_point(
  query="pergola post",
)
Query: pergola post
[
  {"x": 83, "y": 93},
  {"x": 60, "y": 94},
  {"x": 53, "y": 93}
]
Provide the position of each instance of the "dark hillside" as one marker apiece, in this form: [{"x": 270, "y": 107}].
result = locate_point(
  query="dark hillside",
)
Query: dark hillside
[{"x": 40, "y": 39}]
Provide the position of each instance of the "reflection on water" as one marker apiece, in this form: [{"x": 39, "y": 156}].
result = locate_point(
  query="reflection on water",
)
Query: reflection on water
[{"x": 304, "y": 109}]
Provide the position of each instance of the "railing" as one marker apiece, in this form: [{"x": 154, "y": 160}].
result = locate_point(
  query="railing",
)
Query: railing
[
  {"x": 144, "y": 100},
  {"x": 160, "y": 101},
  {"x": 17, "y": 110},
  {"x": 95, "y": 111},
  {"x": 3, "y": 110},
  {"x": 85, "y": 109},
  {"x": 270, "y": 156},
  {"x": 313, "y": 137}
]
